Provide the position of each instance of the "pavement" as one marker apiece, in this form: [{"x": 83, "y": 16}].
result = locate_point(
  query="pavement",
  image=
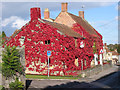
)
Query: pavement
[
  {"x": 79, "y": 83},
  {"x": 104, "y": 73}
]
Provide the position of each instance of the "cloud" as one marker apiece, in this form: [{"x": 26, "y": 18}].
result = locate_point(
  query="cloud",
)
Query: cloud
[
  {"x": 6, "y": 21},
  {"x": 15, "y": 22},
  {"x": 24, "y": 7},
  {"x": 19, "y": 23}
]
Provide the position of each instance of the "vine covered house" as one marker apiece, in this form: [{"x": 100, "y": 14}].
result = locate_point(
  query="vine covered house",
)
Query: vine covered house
[{"x": 71, "y": 40}]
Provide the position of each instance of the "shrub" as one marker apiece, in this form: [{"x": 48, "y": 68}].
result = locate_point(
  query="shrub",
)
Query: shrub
[
  {"x": 17, "y": 85},
  {"x": 11, "y": 62}
]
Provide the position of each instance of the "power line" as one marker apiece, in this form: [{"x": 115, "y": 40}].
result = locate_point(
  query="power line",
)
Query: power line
[{"x": 107, "y": 23}]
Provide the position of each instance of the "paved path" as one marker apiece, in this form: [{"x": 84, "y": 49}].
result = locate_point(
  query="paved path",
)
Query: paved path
[
  {"x": 80, "y": 83},
  {"x": 103, "y": 73}
]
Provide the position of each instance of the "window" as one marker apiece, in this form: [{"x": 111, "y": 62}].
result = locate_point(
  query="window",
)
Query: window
[
  {"x": 47, "y": 42},
  {"x": 81, "y": 64},
  {"x": 22, "y": 39},
  {"x": 85, "y": 62},
  {"x": 75, "y": 43},
  {"x": 76, "y": 61},
  {"x": 94, "y": 47}
]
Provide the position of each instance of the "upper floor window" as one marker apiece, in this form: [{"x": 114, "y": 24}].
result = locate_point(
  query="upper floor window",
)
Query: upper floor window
[
  {"x": 94, "y": 47},
  {"x": 22, "y": 39},
  {"x": 47, "y": 42}
]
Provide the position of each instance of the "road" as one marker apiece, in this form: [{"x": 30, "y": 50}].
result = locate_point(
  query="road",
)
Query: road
[{"x": 109, "y": 81}]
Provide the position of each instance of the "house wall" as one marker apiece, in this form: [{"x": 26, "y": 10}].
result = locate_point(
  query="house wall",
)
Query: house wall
[
  {"x": 64, "y": 18},
  {"x": 64, "y": 52},
  {"x": 109, "y": 56},
  {"x": 119, "y": 58},
  {"x": 115, "y": 56}
]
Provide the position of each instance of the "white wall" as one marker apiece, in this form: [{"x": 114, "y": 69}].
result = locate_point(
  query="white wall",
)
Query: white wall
[
  {"x": 119, "y": 58},
  {"x": 115, "y": 56}
]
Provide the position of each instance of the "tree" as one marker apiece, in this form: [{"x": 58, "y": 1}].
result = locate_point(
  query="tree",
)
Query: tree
[
  {"x": 3, "y": 34},
  {"x": 118, "y": 48},
  {"x": 11, "y": 62}
]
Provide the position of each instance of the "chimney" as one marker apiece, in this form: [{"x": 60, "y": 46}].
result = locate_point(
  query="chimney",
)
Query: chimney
[
  {"x": 46, "y": 13},
  {"x": 105, "y": 44},
  {"x": 35, "y": 13},
  {"x": 81, "y": 14},
  {"x": 64, "y": 7}
]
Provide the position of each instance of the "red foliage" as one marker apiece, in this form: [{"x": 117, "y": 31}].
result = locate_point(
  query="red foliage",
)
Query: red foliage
[{"x": 63, "y": 48}]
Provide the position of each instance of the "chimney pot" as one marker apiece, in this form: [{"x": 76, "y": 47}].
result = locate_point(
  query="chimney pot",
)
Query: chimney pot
[
  {"x": 46, "y": 13},
  {"x": 35, "y": 13},
  {"x": 64, "y": 7},
  {"x": 81, "y": 14}
]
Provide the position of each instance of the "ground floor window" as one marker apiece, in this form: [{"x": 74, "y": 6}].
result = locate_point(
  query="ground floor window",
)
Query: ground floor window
[{"x": 81, "y": 64}]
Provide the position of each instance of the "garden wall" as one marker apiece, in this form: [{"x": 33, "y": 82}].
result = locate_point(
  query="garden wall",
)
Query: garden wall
[{"x": 95, "y": 70}]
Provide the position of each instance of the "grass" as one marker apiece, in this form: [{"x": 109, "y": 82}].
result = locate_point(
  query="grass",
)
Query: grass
[
  {"x": 50, "y": 77},
  {"x": 0, "y": 87}
]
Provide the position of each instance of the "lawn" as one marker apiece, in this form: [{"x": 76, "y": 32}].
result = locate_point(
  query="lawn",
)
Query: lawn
[{"x": 50, "y": 77}]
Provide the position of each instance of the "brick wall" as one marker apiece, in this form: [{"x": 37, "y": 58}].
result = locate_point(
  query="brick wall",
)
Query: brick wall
[{"x": 65, "y": 19}]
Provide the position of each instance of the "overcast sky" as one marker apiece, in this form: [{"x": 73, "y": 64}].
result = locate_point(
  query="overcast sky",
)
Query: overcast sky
[{"x": 103, "y": 16}]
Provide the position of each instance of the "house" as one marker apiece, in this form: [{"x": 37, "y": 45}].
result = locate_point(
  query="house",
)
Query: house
[
  {"x": 115, "y": 56},
  {"x": 110, "y": 55},
  {"x": 71, "y": 49},
  {"x": 81, "y": 26},
  {"x": 107, "y": 55}
]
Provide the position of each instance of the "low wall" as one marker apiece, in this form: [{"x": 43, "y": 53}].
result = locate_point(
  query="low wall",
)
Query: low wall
[{"x": 95, "y": 70}]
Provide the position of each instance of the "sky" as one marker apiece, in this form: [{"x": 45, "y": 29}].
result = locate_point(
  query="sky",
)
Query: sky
[{"x": 103, "y": 16}]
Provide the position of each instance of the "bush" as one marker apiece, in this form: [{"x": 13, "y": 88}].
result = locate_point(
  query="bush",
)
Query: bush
[
  {"x": 17, "y": 85},
  {"x": 11, "y": 62}
]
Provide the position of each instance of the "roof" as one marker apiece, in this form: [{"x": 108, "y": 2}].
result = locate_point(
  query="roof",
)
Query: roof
[
  {"x": 50, "y": 19},
  {"x": 107, "y": 50},
  {"x": 13, "y": 35},
  {"x": 84, "y": 24},
  {"x": 114, "y": 53},
  {"x": 64, "y": 29}
]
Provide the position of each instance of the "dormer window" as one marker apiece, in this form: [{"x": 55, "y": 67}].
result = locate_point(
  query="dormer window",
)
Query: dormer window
[{"x": 47, "y": 42}]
